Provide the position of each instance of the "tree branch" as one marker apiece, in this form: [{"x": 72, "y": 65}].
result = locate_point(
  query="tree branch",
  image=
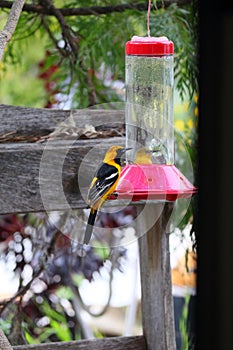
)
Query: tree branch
[
  {"x": 66, "y": 32},
  {"x": 52, "y": 38},
  {"x": 8, "y": 31},
  {"x": 97, "y": 10}
]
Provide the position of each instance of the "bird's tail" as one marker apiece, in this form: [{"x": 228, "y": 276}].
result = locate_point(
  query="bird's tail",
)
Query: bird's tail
[{"x": 89, "y": 227}]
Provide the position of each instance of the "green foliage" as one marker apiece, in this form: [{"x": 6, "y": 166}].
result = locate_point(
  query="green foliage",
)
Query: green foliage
[
  {"x": 186, "y": 342},
  {"x": 186, "y": 140},
  {"x": 183, "y": 325},
  {"x": 186, "y": 120},
  {"x": 101, "y": 41},
  {"x": 19, "y": 82},
  {"x": 58, "y": 324},
  {"x": 102, "y": 251},
  {"x": 179, "y": 24},
  {"x": 53, "y": 325},
  {"x": 65, "y": 292},
  {"x": 5, "y": 326}
]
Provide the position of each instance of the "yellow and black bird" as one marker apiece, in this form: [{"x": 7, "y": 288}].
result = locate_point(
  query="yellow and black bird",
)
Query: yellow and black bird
[
  {"x": 144, "y": 156},
  {"x": 103, "y": 185}
]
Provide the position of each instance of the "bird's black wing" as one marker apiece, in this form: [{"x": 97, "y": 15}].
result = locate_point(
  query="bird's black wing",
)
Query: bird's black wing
[{"x": 105, "y": 178}]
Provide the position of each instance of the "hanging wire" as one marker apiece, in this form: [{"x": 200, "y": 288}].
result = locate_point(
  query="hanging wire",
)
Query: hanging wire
[{"x": 148, "y": 18}]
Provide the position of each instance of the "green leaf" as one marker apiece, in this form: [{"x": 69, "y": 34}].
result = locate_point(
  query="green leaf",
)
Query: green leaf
[{"x": 64, "y": 293}]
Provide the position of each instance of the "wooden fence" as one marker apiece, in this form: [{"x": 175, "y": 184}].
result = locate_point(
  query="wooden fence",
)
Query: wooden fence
[{"x": 23, "y": 141}]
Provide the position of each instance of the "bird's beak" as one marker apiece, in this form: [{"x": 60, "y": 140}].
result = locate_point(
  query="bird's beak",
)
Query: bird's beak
[{"x": 125, "y": 149}]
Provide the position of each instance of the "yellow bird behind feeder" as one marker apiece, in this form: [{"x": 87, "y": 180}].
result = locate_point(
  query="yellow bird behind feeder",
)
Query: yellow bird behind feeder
[
  {"x": 144, "y": 156},
  {"x": 103, "y": 185}
]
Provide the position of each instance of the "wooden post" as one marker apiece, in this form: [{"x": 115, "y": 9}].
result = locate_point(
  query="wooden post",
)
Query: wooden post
[{"x": 157, "y": 303}]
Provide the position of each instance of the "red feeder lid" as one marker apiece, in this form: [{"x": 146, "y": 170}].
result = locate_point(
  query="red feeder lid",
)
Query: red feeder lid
[
  {"x": 154, "y": 182},
  {"x": 149, "y": 46}
]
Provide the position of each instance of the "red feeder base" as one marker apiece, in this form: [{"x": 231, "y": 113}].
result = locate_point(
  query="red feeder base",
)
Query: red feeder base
[{"x": 153, "y": 182}]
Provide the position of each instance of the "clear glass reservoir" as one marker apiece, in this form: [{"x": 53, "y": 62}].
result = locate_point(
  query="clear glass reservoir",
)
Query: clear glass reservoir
[{"x": 149, "y": 98}]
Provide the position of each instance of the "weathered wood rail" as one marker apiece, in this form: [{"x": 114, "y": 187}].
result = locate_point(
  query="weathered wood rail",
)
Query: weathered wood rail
[
  {"x": 39, "y": 176},
  {"x": 115, "y": 343},
  {"x": 21, "y": 161}
]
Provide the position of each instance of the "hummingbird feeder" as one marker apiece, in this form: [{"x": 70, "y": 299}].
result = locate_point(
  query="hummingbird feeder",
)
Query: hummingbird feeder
[{"x": 150, "y": 124}]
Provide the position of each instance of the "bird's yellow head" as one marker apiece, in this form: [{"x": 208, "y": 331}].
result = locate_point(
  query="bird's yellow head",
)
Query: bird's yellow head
[
  {"x": 144, "y": 156},
  {"x": 115, "y": 153}
]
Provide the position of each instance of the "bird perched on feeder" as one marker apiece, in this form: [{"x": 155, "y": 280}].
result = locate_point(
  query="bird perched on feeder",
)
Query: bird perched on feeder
[
  {"x": 144, "y": 156},
  {"x": 103, "y": 185}
]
